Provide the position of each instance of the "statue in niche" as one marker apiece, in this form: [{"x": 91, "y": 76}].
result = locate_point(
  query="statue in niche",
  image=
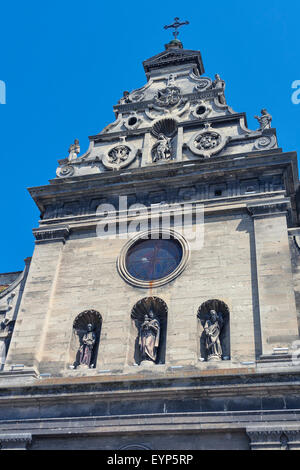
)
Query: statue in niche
[
  {"x": 219, "y": 84},
  {"x": 149, "y": 337},
  {"x": 162, "y": 150},
  {"x": 87, "y": 346},
  {"x": 264, "y": 120},
  {"x": 74, "y": 150},
  {"x": 212, "y": 328},
  {"x": 6, "y": 330}
]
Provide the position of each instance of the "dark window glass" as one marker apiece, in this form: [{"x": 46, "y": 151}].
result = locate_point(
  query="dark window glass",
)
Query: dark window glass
[{"x": 150, "y": 260}]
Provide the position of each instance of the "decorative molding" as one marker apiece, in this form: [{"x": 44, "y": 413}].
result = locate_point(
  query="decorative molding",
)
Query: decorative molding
[
  {"x": 51, "y": 234},
  {"x": 280, "y": 438},
  {"x": 267, "y": 439},
  {"x": 268, "y": 209},
  {"x": 17, "y": 441},
  {"x": 265, "y": 142},
  {"x": 207, "y": 142},
  {"x": 65, "y": 170},
  {"x": 119, "y": 155}
]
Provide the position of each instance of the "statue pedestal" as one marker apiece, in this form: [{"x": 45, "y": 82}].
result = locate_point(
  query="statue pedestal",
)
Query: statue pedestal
[
  {"x": 214, "y": 359},
  {"x": 147, "y": 364}
]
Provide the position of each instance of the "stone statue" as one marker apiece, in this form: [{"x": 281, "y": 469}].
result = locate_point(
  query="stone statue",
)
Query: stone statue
[
  {"x": 212, "y": 328},
  {"x": 125, "y": 98},
  {"x": 87, "y": 346},
  {"x": 149, "y": 338},
  {"x": 162, "y": 150},
  {"x": 74, "y": 150},
  {"x": 219, "y": 84},
  {"x": 264, "y": 120},
  {"x": 6, "y": 330}
]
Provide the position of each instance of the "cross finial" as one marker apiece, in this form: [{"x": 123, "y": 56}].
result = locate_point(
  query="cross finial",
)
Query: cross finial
[{"x": 176, "y": 25}]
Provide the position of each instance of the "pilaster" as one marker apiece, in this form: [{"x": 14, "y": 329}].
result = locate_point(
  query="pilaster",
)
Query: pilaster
[
  {"x": 278, "y": 316},
  {"x": 31, "y": 325}
]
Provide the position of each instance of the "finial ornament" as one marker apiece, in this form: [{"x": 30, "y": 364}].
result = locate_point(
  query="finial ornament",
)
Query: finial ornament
[{"x": 176, "y": 25}]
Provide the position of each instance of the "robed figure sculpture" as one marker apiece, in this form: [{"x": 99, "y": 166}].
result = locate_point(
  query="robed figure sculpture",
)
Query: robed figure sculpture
[
  {"x": 212, "y": 328},
  {"x": 87, "y": 346},
  {"x": 149, "y": 338}
]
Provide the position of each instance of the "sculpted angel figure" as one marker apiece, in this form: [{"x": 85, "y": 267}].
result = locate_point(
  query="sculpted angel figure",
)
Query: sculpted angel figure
[
  {"x": 212, "y": 328},
  {"x": 149, "y": 337},
  {"x": 87, "y": 346},
  {"x": 264, "y": 120},
  {"x": 162, "y": 150}
]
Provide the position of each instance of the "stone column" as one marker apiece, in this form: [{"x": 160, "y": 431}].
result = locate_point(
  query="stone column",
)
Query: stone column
[
  {"x": 18, "y": 441},
  {"x": 30, "y": 329},
  {"x": 278, "y": 316}
]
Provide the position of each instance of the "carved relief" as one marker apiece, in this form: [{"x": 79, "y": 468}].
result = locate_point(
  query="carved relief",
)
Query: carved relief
[
  {"x": 167, "y": 97},
  {"x": 65, "y": 170},
  {"x": 266, "y": 142},
  {"x": 119, "y": 155},
  {"x": 207, "y": 142},
  {"x": 203, "y": 84},
  {"x": 162, "y": 150}
]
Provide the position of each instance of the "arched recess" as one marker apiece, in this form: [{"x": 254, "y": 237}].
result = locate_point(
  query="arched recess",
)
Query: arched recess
[
  {"x": 135, "y": 447},
  {"x": 80, "y": 328},
  {"x": 203, "y": 315},
  {"x": 142, "y": 308}
]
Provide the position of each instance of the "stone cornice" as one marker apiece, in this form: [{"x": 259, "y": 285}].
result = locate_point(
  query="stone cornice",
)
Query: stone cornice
[
  {"x": 222, "y": 383},
  {"x": 176, "y": 172},
  {"x": 53, "y": 234},
  {"x": 269, "y": 208}
]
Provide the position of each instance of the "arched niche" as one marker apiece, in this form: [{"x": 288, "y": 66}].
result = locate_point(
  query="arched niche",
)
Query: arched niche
[
  {"x": 203, "y": 316},
  {"x": 80, "y": 328},
  {"x": 134, "y": 447},
  {"x": 142, "y": 308}
]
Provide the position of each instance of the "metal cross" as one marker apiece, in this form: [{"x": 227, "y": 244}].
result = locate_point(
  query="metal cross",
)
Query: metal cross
[{"x": 176, "y": 25}]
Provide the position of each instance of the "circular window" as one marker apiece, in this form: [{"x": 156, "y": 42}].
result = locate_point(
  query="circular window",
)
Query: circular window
[
  {"x": 132, "y": 121},
  {"x": 153, "y": 258}
]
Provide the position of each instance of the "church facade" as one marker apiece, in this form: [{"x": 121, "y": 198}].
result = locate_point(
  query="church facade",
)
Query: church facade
[{"x": 160, "y": 308}]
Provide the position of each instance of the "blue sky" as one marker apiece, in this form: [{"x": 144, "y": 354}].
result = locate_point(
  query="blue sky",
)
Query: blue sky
[{"x": 65, "y": 64}]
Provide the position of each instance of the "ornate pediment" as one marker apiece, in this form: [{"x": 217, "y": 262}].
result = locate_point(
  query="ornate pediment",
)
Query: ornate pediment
[{"x": 174, "y": 57}]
